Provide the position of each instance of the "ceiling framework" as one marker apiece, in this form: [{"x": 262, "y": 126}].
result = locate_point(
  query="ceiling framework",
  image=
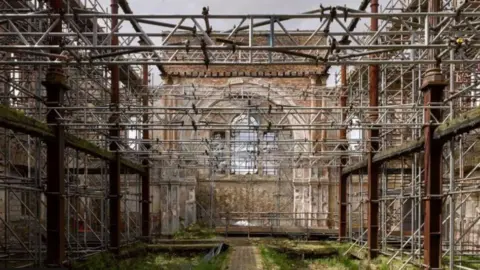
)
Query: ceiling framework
[{"x": 403, "y": 49}]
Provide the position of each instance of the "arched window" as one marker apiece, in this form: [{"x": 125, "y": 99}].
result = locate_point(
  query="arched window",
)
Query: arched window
[
  {"x": 244, "y": 145},
  {"x": 354, "y": 134}
]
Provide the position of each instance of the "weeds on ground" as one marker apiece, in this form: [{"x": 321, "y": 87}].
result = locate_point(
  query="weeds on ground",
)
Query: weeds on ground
[
  {"x": 339, "y": 262},
  {"x": 153, "y": 262},
  {"x": 275, "y": 260},
  {"x": 195, "y": 231},
  {"x": 217, "y": 263},
  {"x": 141, "y": 259},
  {"x": 470, "y": 261},
  {"x": 99, "y": 261},
  {"x": 381, "y": 262}
]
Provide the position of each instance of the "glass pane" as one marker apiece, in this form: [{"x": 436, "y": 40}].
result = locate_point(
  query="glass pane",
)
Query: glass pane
[{"x": 244, "y": 145}]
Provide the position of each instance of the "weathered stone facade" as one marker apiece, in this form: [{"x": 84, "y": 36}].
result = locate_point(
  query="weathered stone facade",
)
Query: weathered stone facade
[{"x": 294, "y": 196}]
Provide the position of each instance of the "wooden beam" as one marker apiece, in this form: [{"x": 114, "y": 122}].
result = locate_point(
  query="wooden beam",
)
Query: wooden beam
[
  {"x": 451, "y": 128},
  {"x": 17, "y": 121}
]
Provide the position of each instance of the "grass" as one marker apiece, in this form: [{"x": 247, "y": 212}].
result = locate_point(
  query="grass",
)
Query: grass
[
  {"x": 153, "y": 262},
  {"x": 274, "y": 259},
  {"x": 470, "y": 261},
  {"x": 382, "y": 263},
  {"x": 337, "y": 263},
  {"x": 158, "y": 261},
  {"x": 99, "y": 261},
  {"x": 217, "y": 263},
  {"x": 145, "y": 257},
  {"x": 279, "y": 261}
]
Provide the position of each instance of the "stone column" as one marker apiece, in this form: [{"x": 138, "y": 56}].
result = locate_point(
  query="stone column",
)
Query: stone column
[
  {"x": 319, "y": 180},
  {"x": 164, "y": 207},
  {"x": 155, "y": 178},
  {"x": 169, "y": 189},
  {"x": 190, "y": 207},
  {"x": 174, "y": 207},
  {"x": 302, "y": 202}
]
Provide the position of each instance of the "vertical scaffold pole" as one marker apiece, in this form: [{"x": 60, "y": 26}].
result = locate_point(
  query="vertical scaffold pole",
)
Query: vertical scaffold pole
[{"x": 373, "y": 147}]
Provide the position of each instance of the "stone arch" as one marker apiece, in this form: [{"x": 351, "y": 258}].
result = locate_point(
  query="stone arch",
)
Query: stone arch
[{"x": 275, "y": 95}]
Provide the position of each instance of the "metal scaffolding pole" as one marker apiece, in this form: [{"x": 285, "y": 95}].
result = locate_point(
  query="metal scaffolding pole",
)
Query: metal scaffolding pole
[
  {"x": 433, "y": 87},
  {"x": 146, "y": 176},
  {"x": 343, "y": 178},
  {"x": 114, "y": 165},
  {"x": 55, "y": 85},
  {"x": 373, "y": 199}
]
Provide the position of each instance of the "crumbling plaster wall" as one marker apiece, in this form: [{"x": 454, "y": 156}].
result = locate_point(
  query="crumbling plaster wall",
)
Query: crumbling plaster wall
[{"x": 300, "y": 194}]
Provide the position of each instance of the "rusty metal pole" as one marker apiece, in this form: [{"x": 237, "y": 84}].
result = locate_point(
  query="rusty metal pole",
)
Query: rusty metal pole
[
  {"x": 114, "y": 167},
  {"x": 55, "y": 86},
  {"x": 373, "y": 147},
  {"x": 343, "y": 161},
  {"x": 146, "y": 176},
  {"x": 433, "y": 88}
]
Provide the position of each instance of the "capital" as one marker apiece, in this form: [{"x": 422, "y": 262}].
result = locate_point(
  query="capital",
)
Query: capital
[{"x": 167, "y": 79}]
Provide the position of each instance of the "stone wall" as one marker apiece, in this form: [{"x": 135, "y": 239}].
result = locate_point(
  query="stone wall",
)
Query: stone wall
[{"x": 296, "y": 197}]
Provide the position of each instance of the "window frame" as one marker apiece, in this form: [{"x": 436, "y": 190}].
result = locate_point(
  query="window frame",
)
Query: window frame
[{"x": 249, "y": 155}]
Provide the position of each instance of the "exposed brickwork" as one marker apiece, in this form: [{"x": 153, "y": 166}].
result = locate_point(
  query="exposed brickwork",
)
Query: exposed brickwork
[
  {"x": 266, "y": 71},
  {"x": 248, "y": 70},
  {"x": 298, "y": 83}
]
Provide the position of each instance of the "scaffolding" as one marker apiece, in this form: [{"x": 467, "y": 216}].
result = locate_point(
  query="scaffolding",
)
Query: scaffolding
[{"x": 86, "y": 131}]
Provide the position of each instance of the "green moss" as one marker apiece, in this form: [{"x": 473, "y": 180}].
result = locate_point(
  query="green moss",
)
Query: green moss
[
  {"x": 17, "y": 120},
  {"x": 179, "y": 249},
  {"x": 457, "y": 125},
  {"x": 159, "y": 261},
  {"x": 341, "y": 262},
  {"x": 470, "y": 261},
  {"x": 273, "y": 259},
  {"x": 195, "y": 231},
  {"x": 399, "y": 150},
  {"x": 304, "y": 249},
  {"x": 217, "y": 263},
  {"x": 276, "y": 260},
  {"x": 468, "y": 119},
  {"x": 95, "y": 150},
  {"x": 381, "y": 263},
  {"x": 320, "y": 256},
  {"x": 151, "y": 261},
  {"x": 103, "y": 260}
]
